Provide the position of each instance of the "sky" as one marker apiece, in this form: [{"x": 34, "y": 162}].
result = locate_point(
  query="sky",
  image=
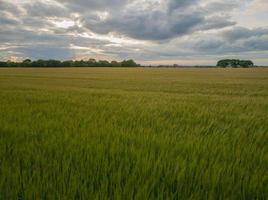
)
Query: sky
[{"x": 152, "y": 32}]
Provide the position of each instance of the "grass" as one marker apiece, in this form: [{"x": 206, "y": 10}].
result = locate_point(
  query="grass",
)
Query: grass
[{"x": 103, "y": 133}]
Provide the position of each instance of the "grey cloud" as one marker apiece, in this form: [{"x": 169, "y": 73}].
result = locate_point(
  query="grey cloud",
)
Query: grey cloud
[
  {"x": 232, "y": 40},
  {"x": 221, "y": 6},
  {"x": 41, "y": 9},
  {"x": 216, "y": 22},
  {"x": 9, "y": 14},
  {"x": 9, "y": 7},
  {"x": 151, "y": 26},
  {"x": 89, "y": 5},
  {"x": 209, "y": 45},
  {"x": 177, "y": 4},
  {"x": 257, "y": 43},
  {"x": 6, "y": 20},
  {"x": 238, "y": 33},
  {"x": 45, "y": 52},
  {"x": 178, "y": 18}
]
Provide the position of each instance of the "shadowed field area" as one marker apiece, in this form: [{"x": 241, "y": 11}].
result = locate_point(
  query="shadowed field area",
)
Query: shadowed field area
[{"x": 117, "y": 133}]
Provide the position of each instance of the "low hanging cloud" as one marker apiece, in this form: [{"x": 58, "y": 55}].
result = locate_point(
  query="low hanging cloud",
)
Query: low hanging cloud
[{"x": 146, "y": 30}]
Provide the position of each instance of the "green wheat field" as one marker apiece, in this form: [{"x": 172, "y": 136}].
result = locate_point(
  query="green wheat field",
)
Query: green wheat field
[{"x": 138, "y": 133}]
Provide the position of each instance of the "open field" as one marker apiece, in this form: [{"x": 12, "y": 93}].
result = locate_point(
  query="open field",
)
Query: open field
[{"x": 117, "y": 133}]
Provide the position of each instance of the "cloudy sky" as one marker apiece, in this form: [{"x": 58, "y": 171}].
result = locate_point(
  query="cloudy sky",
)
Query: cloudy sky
[{"x": 149, "y": 31}]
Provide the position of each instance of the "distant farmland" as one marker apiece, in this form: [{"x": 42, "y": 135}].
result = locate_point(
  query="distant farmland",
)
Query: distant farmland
[{"x": 118, "y": 133}]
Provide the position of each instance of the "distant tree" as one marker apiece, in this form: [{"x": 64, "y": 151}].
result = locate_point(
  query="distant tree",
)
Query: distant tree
[
  {"x": 103, "y": 63},
  {"x": 246, "y": 63},
  {"x": 12, "y": 64},
  {"x": 82, "y": 63},
  {"x": 92, "y": 62},
  {"x": 39, "y": 63},
  {"x": 115, "y": 64},
  {"x": 67, "y": 63},
  {"x": 3, "y": 64},
  {"x": 129, "y": 63},
  {"x": 76, "y": 63},
  {"x": 26, "y": 63},
  {"x": 52, "y": 63},
  {"x": 235, "y": 63},
  {"x": 222, "y": 63}
]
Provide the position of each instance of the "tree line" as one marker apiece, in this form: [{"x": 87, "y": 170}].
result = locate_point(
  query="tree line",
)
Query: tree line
[
  {"x": 69, "y": 63},
  {"x": 235, "y": 63}
]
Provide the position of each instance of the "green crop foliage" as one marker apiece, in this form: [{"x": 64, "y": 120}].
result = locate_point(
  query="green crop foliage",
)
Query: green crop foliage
[{"x": 102, "y": 133}]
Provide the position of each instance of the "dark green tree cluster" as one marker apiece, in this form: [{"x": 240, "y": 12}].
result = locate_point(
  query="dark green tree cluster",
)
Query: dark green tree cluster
[
  {"x": 235, "y": 63},
  {"x": 69, "y": 63}
]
